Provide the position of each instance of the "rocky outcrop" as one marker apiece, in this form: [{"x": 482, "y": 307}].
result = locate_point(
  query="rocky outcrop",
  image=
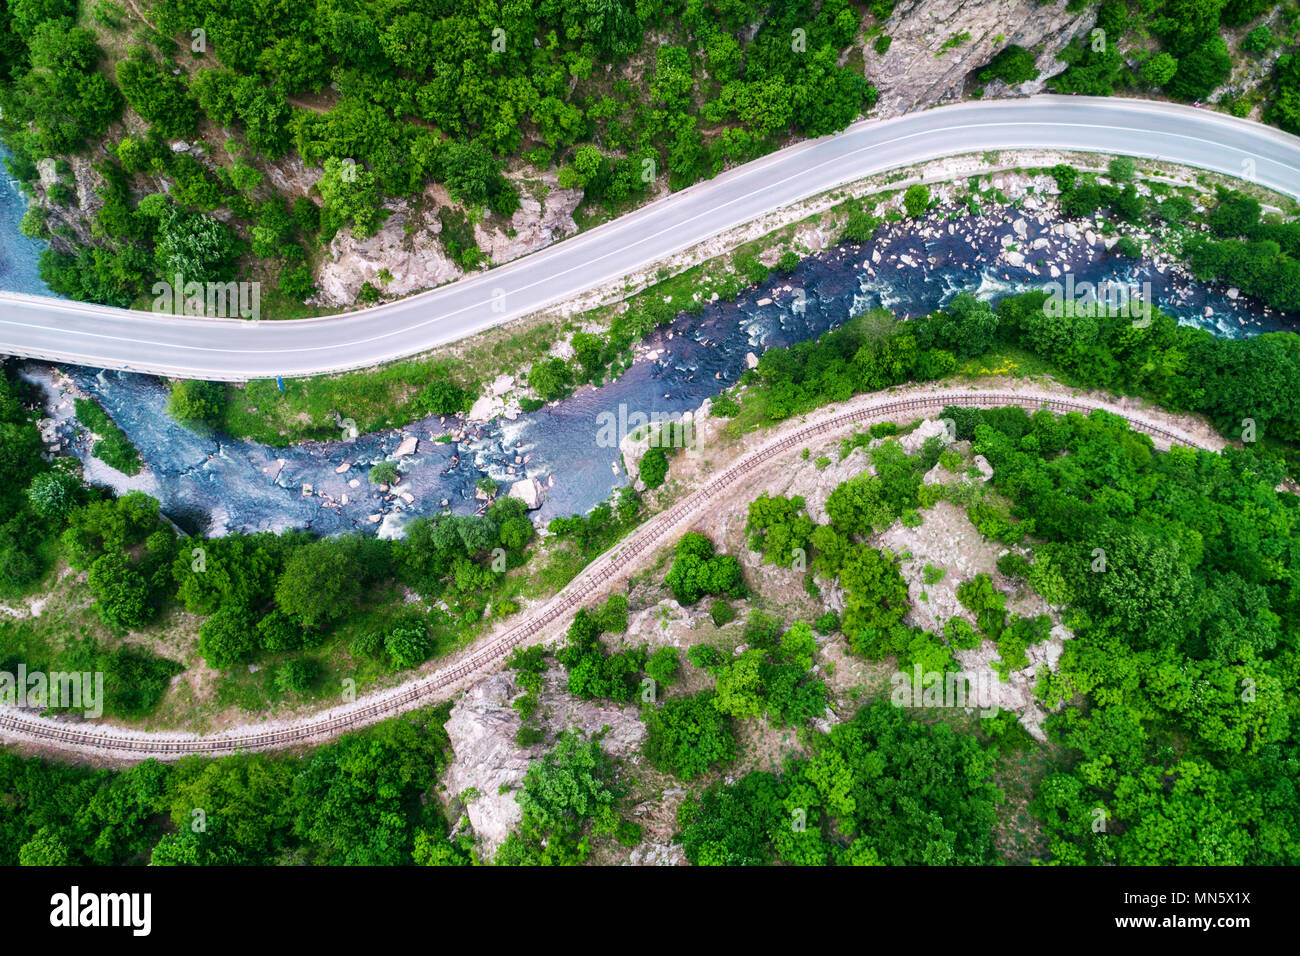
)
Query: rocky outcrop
[
  {"x": 415, "y": 261},
  {"x": 488, "y": 767},
  {"x": 917, "y": 71},
  {"x": 545, "y": 215},
  {"x": 816, "y": 484},
  {"x": 409, "y": 247},
  {"x": 915, "y": 440}
]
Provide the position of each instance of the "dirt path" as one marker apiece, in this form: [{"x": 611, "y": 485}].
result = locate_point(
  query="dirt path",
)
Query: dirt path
[
  {"x": 136, "y": 11},
  {"x": 629, "y": 556}
]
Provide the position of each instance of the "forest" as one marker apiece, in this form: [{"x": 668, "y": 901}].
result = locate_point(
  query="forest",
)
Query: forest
[
  {"x": 1177, "y": 571},
  {"x": 1191, "y": 58},
  {"x": 277, "y": 599},
  {"x": 355, "y": 802},
  {"x": 1171, "y": 724},
  {"x": 619, "y": 98},
  {"x": 386, "y": 99},
  {"x": 1244, "y": 386}
]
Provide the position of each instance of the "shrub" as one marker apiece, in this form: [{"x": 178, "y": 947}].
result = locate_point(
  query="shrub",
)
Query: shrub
[
  {"x": 721, "y": 612},
  {"x": 663, "y": 666},
  {"x": 654, "y": 467},
  {"x": 916, "y": 200},
  {"x": 1013, "y": 65},
  {"x": 296, "y": 676},
  {"x": 54, "y": 493},
  {"x": 687, "y": 736},
  {"x": 201, "y": 403},
  {"x": 228, "y": 637},
  {"x": 408, "y": 644}
]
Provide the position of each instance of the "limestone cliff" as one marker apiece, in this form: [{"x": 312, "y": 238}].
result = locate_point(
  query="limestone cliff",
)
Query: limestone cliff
[{"x": 925, "y": 64}]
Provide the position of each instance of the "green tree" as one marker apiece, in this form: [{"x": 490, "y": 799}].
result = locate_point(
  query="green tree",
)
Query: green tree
[
  {"x": 321, "y": 582},
  {"x": 688, "y": 736},
  {"x": 195, "y": 402},
  {"x": 916, "y": 200}
]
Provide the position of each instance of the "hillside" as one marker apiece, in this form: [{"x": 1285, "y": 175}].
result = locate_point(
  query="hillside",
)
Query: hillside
[{"x": 340, "y": 153}]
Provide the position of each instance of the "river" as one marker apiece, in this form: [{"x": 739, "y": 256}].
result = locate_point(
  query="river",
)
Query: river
[{"x": 214, "y": 485}]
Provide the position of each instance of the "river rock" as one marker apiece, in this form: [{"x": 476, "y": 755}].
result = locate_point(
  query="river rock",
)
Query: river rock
[
  {"x": 529, "y": 491},
  {"x": 407, "y": 447}
]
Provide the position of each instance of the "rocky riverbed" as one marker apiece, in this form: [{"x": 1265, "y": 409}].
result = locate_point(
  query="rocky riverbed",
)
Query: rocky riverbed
[{"x": 559, "y": 458}]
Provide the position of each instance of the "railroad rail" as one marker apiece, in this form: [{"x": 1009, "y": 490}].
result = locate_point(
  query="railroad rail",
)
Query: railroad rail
[{"x": 654, "y": 533}]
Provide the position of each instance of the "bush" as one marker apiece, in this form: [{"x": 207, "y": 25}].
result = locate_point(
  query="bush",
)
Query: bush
[
  {"x": 828, "y": 623},
  {"x": 54, "y": 493},
  {"x": 1121, "y": 169},
  {"x": 192, "y": 402},
  {"x": 663, "y": 666},
  {"x": 593, "y": 671},
  {"x": 228, "y": 637},
  {"x": 1014, "y": 565},
  {"x": 1258, "y": 40},
  {"x": 697, "y": 572},
  {"x": 654, "y": 467},
  {"x": 613, "y": 616},
  {"x": 549, "y": 379},
  {"x": 1013, "y": 65},
  {"x": 1128, "y": 247},
  {"x": 408, "y": 644},
  {"x": 916, "y": 200},
  {"x": 722, "y": 613},
  {"x": 687, "y": 736},
  {"x": 384, "y": 473},
  {"x": 277, "y": 631},
  {"x": 296, "y": 676},
  {"x": 861, "y": 225},
  {"x": 724, "y": 406},
  {"x": 1201, "y": 70},
  {"x": 370, "y": 644},
  {"x": 444, "y": 397},
  {"x": 1159, "y": 70}
]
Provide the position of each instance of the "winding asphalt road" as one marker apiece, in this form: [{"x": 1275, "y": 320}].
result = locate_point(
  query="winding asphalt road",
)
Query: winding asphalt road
[
  {"x": 596, "y": 579},
  {"x": 237, "y": 350}
]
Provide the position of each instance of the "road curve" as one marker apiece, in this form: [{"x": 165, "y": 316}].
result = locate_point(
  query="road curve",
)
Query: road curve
[
  {"x": 237, "y": 350},
  {"x": 127, "y": 745}
]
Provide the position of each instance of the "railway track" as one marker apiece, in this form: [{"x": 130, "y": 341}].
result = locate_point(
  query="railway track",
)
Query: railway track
[{"x": 653, "y": 534}]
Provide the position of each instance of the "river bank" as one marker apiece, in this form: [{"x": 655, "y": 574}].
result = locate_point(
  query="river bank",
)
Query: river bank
[{"x": 216, "y": 485}]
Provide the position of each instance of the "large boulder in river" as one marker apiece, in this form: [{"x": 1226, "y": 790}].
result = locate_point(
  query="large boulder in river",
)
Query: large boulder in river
[{"x": 529, "y": 490}]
